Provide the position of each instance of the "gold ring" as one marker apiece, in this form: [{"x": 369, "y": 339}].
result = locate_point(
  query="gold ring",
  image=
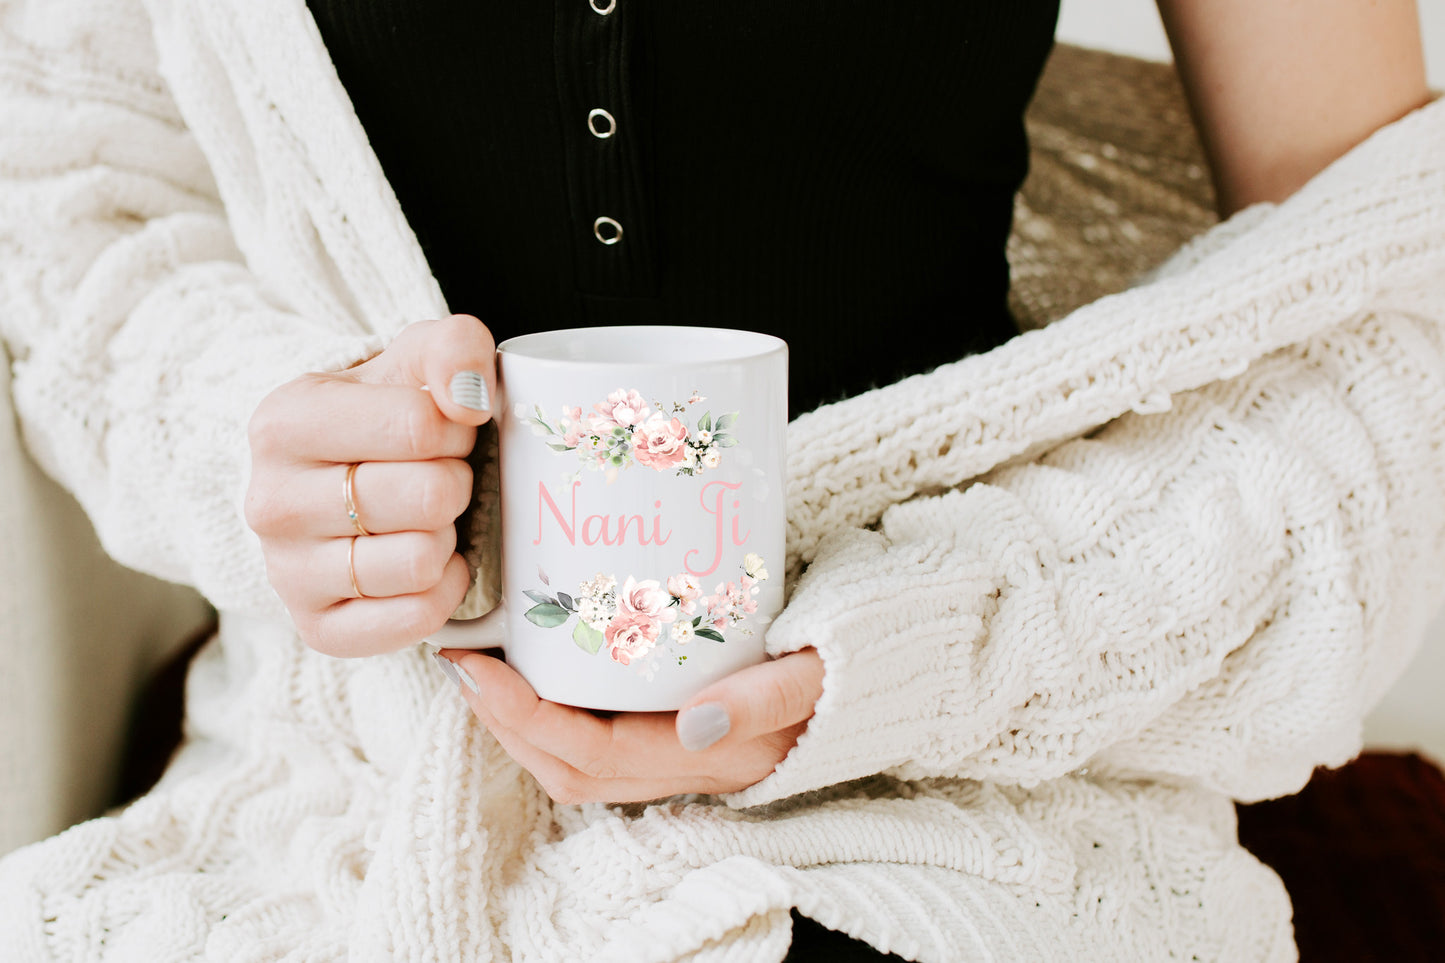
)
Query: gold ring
[
  {"x": 349, "y": 492},
  {"x": 351, "y": 568}
]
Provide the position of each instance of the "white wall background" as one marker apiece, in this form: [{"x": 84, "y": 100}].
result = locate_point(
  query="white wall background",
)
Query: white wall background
[
  {"x": 1413, "y": 714},
  {"x": 1132, "y": 27}
]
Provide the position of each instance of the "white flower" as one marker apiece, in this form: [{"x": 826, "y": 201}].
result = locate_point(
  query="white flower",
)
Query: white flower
[
  {"x": 682, "y": 632},
  {"x": 604, "y": 583},
  {"x": 711, "y": 458},
  {"x": 704, "y": 438},
  {"x": 590, "y": 610},
  {"x": 683, "y": 586},
  {"x": 753, "y": 566}
]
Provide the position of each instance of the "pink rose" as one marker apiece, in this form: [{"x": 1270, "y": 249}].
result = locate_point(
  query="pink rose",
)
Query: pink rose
[
  {"x": 660, "y": 444},
  {"x": 623, "y": 408},
  {"x": 645, "y": 598},
  {"x": 600, "y": 421},
  {"x": 630, "y": 635}
]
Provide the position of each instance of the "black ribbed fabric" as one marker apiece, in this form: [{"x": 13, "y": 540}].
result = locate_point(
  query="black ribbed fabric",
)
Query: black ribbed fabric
[{"x": 840, "y": 173}]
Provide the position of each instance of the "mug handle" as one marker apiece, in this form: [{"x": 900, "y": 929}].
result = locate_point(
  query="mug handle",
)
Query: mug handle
[{"x": 487, "y": 632}]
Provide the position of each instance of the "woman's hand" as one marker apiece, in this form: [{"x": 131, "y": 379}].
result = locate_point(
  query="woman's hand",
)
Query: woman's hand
[
  {"x": 729, "y": 736},
  {"x": 352, "y": 594}
]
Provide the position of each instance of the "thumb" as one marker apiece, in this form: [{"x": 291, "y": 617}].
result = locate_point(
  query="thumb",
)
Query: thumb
[
  {"x": 454, "y": 359},
  {"x": 753, "y": 702}
]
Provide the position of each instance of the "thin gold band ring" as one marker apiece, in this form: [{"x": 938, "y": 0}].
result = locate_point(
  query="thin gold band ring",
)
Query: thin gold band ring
[
  {"x": 349, "y": 493},
  {"x": 351, "y": 568}
]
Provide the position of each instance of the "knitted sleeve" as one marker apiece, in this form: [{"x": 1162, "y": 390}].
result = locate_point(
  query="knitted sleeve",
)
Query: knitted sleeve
[
  {"x": 140, "y": 341},
  {"x": 1214, "y": 585}
]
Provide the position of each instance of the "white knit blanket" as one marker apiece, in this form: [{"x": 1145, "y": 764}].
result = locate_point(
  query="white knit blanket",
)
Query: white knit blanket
[{"x": 1073, "y": 595}]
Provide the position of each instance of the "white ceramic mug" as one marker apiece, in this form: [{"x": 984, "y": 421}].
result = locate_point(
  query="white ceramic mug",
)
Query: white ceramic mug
[{"x": 642, "y": 502}]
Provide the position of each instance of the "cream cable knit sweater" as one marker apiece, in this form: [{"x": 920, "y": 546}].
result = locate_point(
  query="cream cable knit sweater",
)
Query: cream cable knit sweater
[{"x": 1072, "y": 595}]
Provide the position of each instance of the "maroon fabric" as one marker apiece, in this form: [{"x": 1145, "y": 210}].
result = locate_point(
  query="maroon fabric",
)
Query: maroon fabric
[{"x": 1362, "y": 852}]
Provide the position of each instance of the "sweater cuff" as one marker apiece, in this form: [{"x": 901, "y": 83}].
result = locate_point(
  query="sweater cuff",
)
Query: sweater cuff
[{"x": 882, "y": 708}]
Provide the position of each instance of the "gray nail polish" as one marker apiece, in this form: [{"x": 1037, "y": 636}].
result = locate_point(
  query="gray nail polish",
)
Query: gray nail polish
[
  {"x": 701, "y": 726},
  {"x": 469, "y": 390},
  {"x": 467, "y": 679},
  {"x": 448, "y": 670}
]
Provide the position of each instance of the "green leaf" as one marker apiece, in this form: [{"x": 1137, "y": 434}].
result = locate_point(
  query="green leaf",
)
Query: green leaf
[
  {"x": 711, "y": 634},
  {"x": 558, "y": 446},
  {"x": 588, "y": 639},
  {"x": 541, "y": 597},
  {"x": 726, "y": 421},
  {"x": 705, "y": 422},
  {"x": 725, "y": 441},
  {"x": 547, "y": 615},
  {"x": 566, "y": 602}
]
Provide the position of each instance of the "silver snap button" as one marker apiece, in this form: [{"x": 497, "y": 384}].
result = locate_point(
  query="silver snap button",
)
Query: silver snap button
[
  {"x": 602, "y": 124},
  {"x": 606, "y": 230},
  {"x": 603, "y": 8}
]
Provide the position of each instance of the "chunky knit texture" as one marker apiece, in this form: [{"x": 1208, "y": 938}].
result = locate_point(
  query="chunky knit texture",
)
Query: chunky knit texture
[{"x": 1072, "y": 595}]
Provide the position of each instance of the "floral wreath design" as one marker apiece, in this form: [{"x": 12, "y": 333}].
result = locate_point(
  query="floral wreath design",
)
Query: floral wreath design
[
  {"x": 629, "y": 621},
  {"x": 624, "y": 430}
]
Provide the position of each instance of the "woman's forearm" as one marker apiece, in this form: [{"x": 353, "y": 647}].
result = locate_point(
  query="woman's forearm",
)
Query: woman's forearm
[{"x": 1280, "y": 88}]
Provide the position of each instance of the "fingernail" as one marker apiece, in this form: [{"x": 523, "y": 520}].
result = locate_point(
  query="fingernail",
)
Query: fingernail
[
  {"x": 701, "y": 726},
  {"x": 448, "y": 669},
  {"x": 469, "y": 390},
  {"x": 466, "y": 679}
]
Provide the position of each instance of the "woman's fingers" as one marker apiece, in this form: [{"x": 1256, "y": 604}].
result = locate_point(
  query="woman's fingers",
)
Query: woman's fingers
[
  {"x": 328, "y": 418},
  {"x": 390, "y": 496},
  {"x": 576, "y": 756},
  {"x": 371, "y": 626},
  {"x": 768, "y": 697},
  {"x": 579, "y": 756},
  {"x": 406, "y": 420},
  {"x": 318, "y": 572},
  {"x": 461, "y": 370},
  {"x": 454, "y": 358}
]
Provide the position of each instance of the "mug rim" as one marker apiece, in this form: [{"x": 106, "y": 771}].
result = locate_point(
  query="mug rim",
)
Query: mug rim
[{"x": 541, "y": 345}]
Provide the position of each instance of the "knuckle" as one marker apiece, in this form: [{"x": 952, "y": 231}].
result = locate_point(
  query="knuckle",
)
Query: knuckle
[
  {"x": 444, "y": 542},
  {"x": 786, "y": 695},
  {"x": 602, "y": 769},
  {"x": 265, "y": 508},
  {"x": 460, "y": 490},
  {"x": 274, "y": 420},
  {"x": 426, "y": 562},
  {"x": 414, "y": 431},
  {"x": 290, "y": 577},
  {"x": 417, "y": 617},
  {"x": 443, "y": 494},
  {"x": 267, "y": 426},
  {"x": 468, "y": 334},
  {"x": 320, "y": 635},
  {"x": 256, "y": 509}
]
